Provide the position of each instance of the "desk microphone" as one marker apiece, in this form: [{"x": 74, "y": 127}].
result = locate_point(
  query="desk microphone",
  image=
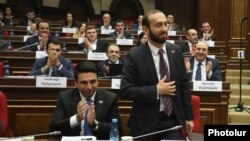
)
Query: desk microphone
[
  {"x": 54, "y": 133},
  {"x": 161, "y": 131},
  {"x": 24, "y": 47}
]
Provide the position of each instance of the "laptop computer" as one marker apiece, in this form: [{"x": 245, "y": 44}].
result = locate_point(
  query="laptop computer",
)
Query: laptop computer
[{"x": 115, "y": 69}]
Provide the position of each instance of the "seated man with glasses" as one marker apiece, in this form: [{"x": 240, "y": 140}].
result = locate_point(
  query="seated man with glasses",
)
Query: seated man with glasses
[{"x": 54, "y": 64}]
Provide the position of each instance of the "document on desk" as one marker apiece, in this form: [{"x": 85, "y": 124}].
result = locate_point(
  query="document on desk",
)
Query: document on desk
[{"x": 78, "y": 138}]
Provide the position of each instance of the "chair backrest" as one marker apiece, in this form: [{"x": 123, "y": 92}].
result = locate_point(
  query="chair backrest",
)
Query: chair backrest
[
  {"x": 4, "y": 113},
  {"x": 1, "y": 69},
  {"x": 196, "y": 109}
]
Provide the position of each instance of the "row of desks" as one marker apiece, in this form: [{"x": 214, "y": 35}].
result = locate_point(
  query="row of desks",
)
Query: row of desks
[
  {"x": 32, "y": 107},
  {"x": 21, "y": 62}
]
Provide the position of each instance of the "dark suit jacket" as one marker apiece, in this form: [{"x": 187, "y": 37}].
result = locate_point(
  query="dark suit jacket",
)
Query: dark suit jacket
[
  {"x": 32, "y": 40},
  {"x": 216, "y": 75},
  {"x": 100, "y": 47},
  {"x": 200, "y": 36},
  {"x": 66, "y": 70},
  {"x": 106, "y": 108},
  {"x": 101, "y": 71},
  {"x": 127, "y": 34},
  {"x": 185, "y": 47},
  {"x": 24, "y": 21},
  {"x": 139, "y": 84}
]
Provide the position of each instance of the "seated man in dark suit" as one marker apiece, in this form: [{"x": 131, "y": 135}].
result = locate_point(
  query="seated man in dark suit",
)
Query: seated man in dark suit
[
  {"x": 91, "y": 43},
  {"x": 113, "y": 54},
  {"x": 86, "y": 107},
  {"x": 54, "y": 64},
  {"x": 40, "y": 41},
  {"x": 192, "y": 39},
  {"x": 209, "y": 67},
  {"x": 206, "y": 33},
  {"x": 120, "y": 32},
  {"x": 29, "y": 17}
]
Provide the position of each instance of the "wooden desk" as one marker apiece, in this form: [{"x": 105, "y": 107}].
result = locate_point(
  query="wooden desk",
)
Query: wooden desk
[{"x": 32, "y": 107}]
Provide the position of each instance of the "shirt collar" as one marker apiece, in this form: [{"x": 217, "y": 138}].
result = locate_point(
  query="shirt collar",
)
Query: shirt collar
[{"x": 155, "y": 49}]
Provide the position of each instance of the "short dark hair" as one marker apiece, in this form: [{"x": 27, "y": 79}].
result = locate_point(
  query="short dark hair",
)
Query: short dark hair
[
  {"x": 41, "y": 21},
  {"x": 53, "y": 41},
  {"x": 145, "y": 21},
  {"x": 84, "y": 66}
]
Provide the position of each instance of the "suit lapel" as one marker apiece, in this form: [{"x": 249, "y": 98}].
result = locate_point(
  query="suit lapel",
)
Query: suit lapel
[
  {"x": 98, "y": 103},
  {"x": 149, "y": 63}
]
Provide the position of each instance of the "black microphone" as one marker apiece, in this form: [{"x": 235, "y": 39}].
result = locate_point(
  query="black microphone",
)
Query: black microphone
[
  {"x": 243, "y": 19},
  {"x": 24, "y": 47},
  {"x": 161, "y": 131},
  {"x": 54, "y": 133}
]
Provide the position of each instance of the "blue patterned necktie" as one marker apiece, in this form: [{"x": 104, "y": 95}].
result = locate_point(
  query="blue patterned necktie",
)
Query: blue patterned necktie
[
  {"x": 87, "y": 129},
  {"x": 198, "y": 73},
  {"x": 165, "y": 72}
]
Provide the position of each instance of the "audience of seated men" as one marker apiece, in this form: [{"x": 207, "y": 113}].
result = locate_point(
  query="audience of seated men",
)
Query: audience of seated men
[
  {"x": 192, "y": 39},
  {"x": 91, "y": 42},
  {"x": 202, "y": 68},
  {"x": 113, "y": 54},
  {"x": 120, "y": 31},
  {"x": 54, "y": 64},
  {"x": 29, "y": 17},
  {"x": 206, "y": 33},
  {"x": 172, "y": 26},
  {"x": 39, "y": 41}
]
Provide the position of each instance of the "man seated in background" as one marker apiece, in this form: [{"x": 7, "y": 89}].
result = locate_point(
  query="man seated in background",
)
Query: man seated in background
[
  {"x": 39, "y": 41},
  {"x": 206, "y": 33},
  {"x": 91, "y": 43},
  {"x": 86, "y": 109},
  {"x": 192, "y": 39},
  {"x": 54, "y": 64},
  {"x": 172, "y": 26},
  {"x": 29, "y": 17},
  {"x": 106, "y": 19},
  {"x": 113, "y": 54},
  {"x": 119, "y": 32},
  {"x": 203, "y": 68}
]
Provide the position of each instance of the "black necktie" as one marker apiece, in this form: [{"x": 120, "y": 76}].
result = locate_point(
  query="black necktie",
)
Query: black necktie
[
  {"x": 198, "y": 73},
  {"x": 164, "y": 72}
]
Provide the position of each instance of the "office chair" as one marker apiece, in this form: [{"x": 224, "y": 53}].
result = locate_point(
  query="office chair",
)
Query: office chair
[
  {"x": 4, "y": 113},
  {"x": 196, "y": 109},
  {"x": 1, "y": 69}
]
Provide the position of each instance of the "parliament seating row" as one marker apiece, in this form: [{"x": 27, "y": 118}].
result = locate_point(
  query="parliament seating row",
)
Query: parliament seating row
[
  {"x": 21, "y": 62},
  {"x": 32, "y": 107}
]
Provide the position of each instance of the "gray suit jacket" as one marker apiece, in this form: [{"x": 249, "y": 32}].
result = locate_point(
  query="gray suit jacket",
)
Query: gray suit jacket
[
  {"x": 106, "y": 108},
  {"x": 139, "y": 84}
]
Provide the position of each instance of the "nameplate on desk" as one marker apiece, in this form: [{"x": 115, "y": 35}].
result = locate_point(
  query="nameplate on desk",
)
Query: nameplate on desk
[
  {"x": 51, "y": 82},
  {"x": 124, "y": 41},
  {"x": 68, "y": 30},
  {"x": 211, "y": 56},
  {"x": 80, "y": 40},
  {"x": 107, "y": 31},
  {"x": 41, "y": 54},
  {"x": 25, "y": 37},
  {"x": 207, "y": 86},
  {"x": 97, "y": 56},
  {"x": 170, "y": 41},
  {"x": 171, "y": 33},
  {"x": 210, "y": 43},
  {"x": 78, "y": 138},
  {"x": 115, "y": 83}
]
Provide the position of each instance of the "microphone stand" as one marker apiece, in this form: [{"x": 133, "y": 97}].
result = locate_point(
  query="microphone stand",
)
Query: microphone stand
[{"x": 240, "y": 107}]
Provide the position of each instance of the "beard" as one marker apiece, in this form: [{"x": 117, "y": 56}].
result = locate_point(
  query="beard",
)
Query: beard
[{"x": 156, "y": 38}]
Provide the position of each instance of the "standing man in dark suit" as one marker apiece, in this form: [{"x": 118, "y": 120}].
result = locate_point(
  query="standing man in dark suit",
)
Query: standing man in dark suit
[
  {"x": 120, "y": 31},
  {"x": 91, "y": 43},
  {"x": 40, "y": 41},
  {"x": 113, "y": 54},
  {"x": 54, "y": 64},
  {"x": 72, "y": 105},
  {"x": 143, "y": 83},
  {"x": 210, "y": 69},
  {"x": 192, "y": 39}
]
